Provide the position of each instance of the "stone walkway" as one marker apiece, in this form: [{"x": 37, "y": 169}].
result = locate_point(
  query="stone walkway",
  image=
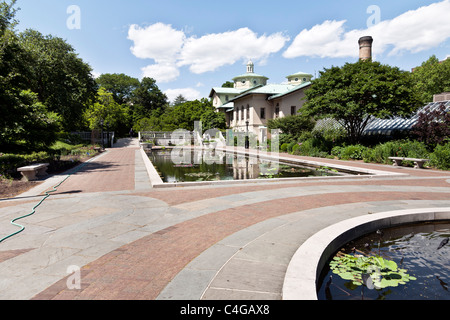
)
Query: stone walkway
[{"x": 130, "y": 241}]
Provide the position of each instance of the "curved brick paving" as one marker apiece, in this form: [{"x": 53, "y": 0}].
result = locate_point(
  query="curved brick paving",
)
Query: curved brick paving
[{"x": 221, "y": 242}]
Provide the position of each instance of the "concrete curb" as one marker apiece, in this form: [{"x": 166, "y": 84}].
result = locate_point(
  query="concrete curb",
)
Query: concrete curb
[{"x": 157, "y": 182}]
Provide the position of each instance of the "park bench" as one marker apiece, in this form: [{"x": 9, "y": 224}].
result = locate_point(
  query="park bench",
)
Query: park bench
[
  {"x": 418, "y": 162},
  {"x": 30, "y": 172}
]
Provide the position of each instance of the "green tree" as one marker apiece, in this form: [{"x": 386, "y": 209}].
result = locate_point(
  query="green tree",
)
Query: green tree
[
  {"x": 183, "y": 116},
  {"x": 179, "y": 100},
  {"x": 147, "y": 97},
  {"x": 25, "y": 123},
  {"x": 120, "y": 85},
  {"x": 432, "y": 77},
  {"x": 7, "y": 14},
  {"x": 356, "y": 92},
  {"x": 228, "y": 84},
  {"x": 106, "y": 110},
  {"x": 293, "y": 125},
  {"x": 33, "y": 127},
  {"x": 62, "y": 80}
]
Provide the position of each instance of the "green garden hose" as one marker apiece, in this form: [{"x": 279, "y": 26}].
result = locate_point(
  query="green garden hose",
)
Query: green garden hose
[{"x": 47, "y": 194}]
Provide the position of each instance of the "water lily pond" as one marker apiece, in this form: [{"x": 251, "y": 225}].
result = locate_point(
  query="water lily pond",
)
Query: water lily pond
[
  {"x": 410, "y": 262},
  {"x": 210, "y": 165}
]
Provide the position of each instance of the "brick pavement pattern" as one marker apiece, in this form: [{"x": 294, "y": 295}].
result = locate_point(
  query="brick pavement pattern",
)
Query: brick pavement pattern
[{"x": 113, "y": 171}]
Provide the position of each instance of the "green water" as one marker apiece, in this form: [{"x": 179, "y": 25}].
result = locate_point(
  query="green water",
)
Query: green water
[{"x": 205, "y": 165}]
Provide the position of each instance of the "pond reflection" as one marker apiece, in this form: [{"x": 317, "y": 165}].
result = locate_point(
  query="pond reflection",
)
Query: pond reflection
[{"x": 183, "y": 165}]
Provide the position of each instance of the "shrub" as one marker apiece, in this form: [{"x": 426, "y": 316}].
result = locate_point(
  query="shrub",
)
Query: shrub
[
  {"x": 440, "y": 158},
  {"x": 399, "y": 148},
  {"x": 308, "y": 148},
  {"x": 353, "y": 152},
  {"x": 10, "y": 162},
  {"x": 291, "y": 146},
  {"x": 433, "y": 126},
  {"x": 336, "y": 151}
]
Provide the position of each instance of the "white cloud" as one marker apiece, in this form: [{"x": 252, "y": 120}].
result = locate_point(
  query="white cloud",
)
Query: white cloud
[
  {"x": 213, "y": 51},
  {"x": 413, "y": 31},
  {"x": 189, "y": 93},
  {"x": 162, "y": 72},
  {"x": 321, "y": 40},
  {"x": 171, "y": 49},
  {"x": 159, "y": 42}
]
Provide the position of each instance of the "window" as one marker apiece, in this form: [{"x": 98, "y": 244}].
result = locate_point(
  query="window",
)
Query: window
[
  {"x": 226, "y": 98},
  {"x": 242, "y": 113},
  {"x": 263, "y": 113},
  {"x": 277, "y": 112},
  {"x": 248, "y": 112},
  {"x": 292, "y": 110}
]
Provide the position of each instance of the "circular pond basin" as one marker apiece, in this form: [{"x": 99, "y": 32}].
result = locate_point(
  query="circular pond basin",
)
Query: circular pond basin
[{"x": 420, "y": 251}]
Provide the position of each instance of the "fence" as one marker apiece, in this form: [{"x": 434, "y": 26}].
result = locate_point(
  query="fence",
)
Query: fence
[
  {"x": 95, "y": 137},
  {"x": 164, "y": 138}
]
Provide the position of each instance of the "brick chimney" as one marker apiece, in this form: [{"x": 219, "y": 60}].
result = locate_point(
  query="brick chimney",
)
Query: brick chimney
[{"x": 365, "y": 48}]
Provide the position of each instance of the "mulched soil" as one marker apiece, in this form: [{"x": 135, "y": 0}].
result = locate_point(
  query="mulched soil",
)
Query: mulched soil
[{"x": 10, "y": 188}]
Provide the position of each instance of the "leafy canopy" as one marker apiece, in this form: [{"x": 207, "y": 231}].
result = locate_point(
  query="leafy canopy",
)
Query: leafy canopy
[
  {"x": 356, "y": 92},
  {"x": 432, "y": 77}
]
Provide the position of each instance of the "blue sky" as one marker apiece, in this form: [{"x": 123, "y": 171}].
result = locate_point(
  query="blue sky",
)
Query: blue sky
[{"x": 191, "y": 46}]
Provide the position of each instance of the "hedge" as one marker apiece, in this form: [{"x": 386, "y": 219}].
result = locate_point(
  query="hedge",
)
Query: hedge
[{"x": 10, "y": 162}]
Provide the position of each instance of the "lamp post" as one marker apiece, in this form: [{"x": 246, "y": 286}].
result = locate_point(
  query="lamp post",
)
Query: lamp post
[
  {"x": 101, "y": 134},
  {"x": 107, "y": 135},
  {"x": 247, "y": 141}
]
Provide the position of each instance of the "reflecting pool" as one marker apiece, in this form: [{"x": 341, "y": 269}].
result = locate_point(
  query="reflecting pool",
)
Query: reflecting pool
[{"x": 178, "y": 165}]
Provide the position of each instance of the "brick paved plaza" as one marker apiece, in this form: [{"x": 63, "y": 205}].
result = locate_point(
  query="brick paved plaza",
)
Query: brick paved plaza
[{"x": 234, "y": 241}]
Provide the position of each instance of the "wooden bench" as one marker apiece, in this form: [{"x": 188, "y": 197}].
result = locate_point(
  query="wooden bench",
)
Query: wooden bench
[
  {"x": 30, "y": 173},
  {"x": 418, "y": 162}
]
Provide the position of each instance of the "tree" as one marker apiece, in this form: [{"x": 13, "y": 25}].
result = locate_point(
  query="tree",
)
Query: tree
[
  {"x": 63, "y": 82},
  {"x": 228, "y": 84},
  {"x": 432, "y": 77},
  {"x": 433, "y": 126},
  {"x": 147, "y": 97},
  {"x": 120, "y": 85},
  {"x": 179, "y": 100},
  {"x": 183, "y": 116},
  {"x": 34, "y": 127},
  {"x": 356, "y": 92},
  {"x": 25, "y": 123},
  {"x": 293, "y": 125},
  {"x": 107, "y": 111},
  {"x": 7, "y": 14}
]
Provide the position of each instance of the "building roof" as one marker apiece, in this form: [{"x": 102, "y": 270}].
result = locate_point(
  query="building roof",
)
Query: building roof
[
  {"x": 274, "y": 90},
  {"x": 226, "y": 106},
  {"x": 221, "y": 90},
  {"x": 249, "y": 75},
  {"x": 292, "y": 90},
  {"x": 387, "y": 126},
  {"x": 299, "y": 74}
]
